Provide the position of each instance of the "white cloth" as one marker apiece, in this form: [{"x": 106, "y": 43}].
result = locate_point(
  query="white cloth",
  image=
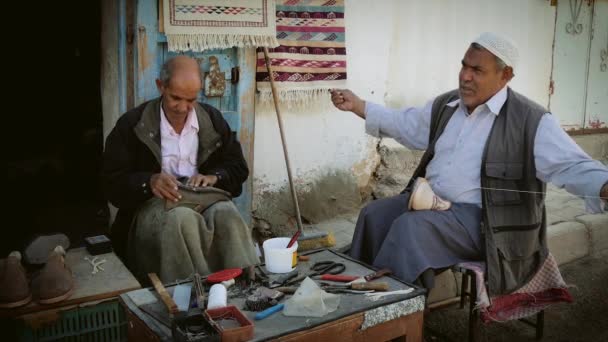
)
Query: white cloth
[
  {"x": 179, "y": 151},
  {"x": 455, "y": 170},
  {"x": 501, "y": 46}
]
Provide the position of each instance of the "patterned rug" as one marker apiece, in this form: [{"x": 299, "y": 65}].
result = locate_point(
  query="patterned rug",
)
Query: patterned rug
[
  {"x": 311, "y": 56},
  {"x": 199, "y": 25}
]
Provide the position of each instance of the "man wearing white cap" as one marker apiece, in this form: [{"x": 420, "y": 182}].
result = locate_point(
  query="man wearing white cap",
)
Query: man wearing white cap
[{"x": 489, "y": 151}]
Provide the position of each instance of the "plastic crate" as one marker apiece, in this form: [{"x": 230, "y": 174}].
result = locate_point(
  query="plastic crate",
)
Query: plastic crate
[{"x": 101, "y": 322}]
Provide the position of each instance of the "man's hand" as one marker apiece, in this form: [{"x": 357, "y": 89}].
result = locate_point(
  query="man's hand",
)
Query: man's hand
[
  {"x": 202, "y": 180},
  {"x": 164, "y": 186},
  {"x": 346, "y": 100},
  {"x": 604, "y": 192}
]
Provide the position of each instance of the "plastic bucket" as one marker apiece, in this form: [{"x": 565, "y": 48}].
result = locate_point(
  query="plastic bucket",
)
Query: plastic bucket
[{"x": 279, "y": 258}]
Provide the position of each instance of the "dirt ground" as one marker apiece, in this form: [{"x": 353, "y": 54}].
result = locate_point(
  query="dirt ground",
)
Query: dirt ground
[{"x": 584, "y": 320}]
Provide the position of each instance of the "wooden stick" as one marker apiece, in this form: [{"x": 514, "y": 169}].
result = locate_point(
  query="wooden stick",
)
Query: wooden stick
[
  {"x": 294, "y": 197},
  {"x": 162, "y": 292}
]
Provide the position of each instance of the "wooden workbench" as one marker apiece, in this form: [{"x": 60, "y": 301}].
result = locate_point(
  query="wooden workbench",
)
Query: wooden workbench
[{"x": 357, "y": 319}]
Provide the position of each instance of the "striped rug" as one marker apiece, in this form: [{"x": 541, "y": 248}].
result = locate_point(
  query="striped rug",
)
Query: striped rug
[
  {"x": 311, "y": 56},
  {"x": 200, "y": 25}
]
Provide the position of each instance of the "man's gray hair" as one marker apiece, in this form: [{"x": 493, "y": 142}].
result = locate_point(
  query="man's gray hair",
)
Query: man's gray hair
[
  {"x": 166, "y": 71},
  {"x": 500, "y": 64}
]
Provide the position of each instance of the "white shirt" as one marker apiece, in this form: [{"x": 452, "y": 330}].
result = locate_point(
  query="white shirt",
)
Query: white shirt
[
  {"x": 179, "y": 151},
  {"x": 454, "y": 171}
]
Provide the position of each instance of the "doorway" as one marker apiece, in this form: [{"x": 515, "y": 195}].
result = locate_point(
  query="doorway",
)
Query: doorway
[{"x": 54, "y": 160}]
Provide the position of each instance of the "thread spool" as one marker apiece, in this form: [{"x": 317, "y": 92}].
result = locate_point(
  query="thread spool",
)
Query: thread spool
[
  {"x": 228, "y": 283},
  {"x": 218, "y": 297}
]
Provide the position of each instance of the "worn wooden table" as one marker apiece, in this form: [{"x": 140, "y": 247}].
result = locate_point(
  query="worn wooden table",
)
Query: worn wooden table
[
  {"x": 89, "y": 289},
  {"x": 358, "y": 318}
]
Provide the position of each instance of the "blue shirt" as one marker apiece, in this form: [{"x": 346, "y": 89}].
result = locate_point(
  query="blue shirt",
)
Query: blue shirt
[{"x": 454, "y": 172}]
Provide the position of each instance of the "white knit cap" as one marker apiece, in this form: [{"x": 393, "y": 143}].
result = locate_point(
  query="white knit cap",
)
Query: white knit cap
[{"x": 501, "y": 46}]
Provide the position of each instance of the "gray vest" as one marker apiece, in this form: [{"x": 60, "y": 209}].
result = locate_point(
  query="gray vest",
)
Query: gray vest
[{"x": 514, "y": 223}]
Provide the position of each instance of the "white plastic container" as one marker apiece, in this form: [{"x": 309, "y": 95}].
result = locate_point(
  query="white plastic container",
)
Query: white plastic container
[
  {"x": 218, "y": 297},
  {"x": 279, "y": 258}
]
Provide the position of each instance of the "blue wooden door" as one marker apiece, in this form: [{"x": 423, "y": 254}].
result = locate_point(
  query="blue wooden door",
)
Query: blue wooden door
[{"x": 237, "y": 101}]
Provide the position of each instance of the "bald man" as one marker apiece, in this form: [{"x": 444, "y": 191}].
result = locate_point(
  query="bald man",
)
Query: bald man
[{"x": 154, "y": 150}]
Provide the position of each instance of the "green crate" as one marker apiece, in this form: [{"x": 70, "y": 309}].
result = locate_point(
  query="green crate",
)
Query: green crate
[{"x": 102, "y": 322}]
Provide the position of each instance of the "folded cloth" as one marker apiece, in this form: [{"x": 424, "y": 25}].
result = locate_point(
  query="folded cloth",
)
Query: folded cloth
[
  {"x": 198, "y": 198},
  {"x": 545, "y": 288}
]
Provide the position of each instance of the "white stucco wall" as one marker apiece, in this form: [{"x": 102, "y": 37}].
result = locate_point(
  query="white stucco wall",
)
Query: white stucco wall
[{"x": 400, "y": 53}]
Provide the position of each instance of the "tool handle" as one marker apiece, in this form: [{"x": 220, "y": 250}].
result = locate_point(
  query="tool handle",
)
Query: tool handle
[
  {"x": 337, "y": 277},
  {"x": 294, "y": 238},
  {"x": 162, "y": 292},
  {"x": 286, "y": 289},
  {"x": 275, "y": 97},
  {"x": 369, "y": 286},
  {"x": 378, "y": 274},
  {"x": 269, "y": 311}
]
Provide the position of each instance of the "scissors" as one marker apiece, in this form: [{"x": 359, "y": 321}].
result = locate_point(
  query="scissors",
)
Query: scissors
[{"x": 319, "y": 268}]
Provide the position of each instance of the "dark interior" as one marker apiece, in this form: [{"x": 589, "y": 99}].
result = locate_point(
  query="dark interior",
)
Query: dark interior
[{"x": 56, "y": 137}]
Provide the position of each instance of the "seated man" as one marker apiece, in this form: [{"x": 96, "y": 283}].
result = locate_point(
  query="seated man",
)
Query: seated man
[
  {"x": 489, "y": 150},
  {"x": 151, "y": 147}
]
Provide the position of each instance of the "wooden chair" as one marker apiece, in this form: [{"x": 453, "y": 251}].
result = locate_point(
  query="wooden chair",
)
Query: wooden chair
[{"x": 469, "y": 280}]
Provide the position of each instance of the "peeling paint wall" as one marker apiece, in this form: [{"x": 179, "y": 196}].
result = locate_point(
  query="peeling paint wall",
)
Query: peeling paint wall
[
  {"x": 596, "y": 145},
  {"x": 400, "y": 53},
  {"x": 327, "y": 148},
  {"x": 430, "y": 37}
]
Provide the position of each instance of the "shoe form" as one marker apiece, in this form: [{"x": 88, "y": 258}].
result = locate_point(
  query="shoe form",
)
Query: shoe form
[
  {"x": 423, "y": 197},
  {"x": 14, "y": 285},
  {"x": 54, "y": 282}
]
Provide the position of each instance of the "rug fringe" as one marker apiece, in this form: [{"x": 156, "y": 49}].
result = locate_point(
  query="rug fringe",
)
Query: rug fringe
[
  {"x": 297, "y": 99},
  {"x": 202, "y": 42}
]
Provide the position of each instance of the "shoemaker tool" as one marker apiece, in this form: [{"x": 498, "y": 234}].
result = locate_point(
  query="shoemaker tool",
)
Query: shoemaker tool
[
  {"x": 185, "y": 326},
  {"x": 357, "y": 279},
  {"x": 355, "y": 287},
  {"x": 319, "y": 268},
  {"x": 284, "y": 279},
  {"x": 269, "y": 311},
  {"x": 156, "y": 311},
  {"x": 199, "y": 289}
]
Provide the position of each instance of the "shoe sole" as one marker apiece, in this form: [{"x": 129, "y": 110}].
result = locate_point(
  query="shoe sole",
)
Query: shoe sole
[
  {"x": 16, "y": 304},
  {"x": 38, "y": 251},
  {"x": 58, "y": 298}
]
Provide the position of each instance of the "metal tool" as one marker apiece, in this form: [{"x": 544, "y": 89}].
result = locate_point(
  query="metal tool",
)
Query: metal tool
[
  {"x": 199, "y": 290},
  {"x": 319, "y": 268},
  {"x": 375, "y": 275},
  {"x": 164, "y": 295},
  {"x": 379, "y": 286},
  {"x": 357, "y": 279},
  {"x": 284, "y": 279}
]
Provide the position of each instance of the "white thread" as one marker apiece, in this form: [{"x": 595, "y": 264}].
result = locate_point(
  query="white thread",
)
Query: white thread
[
  {"x": 96, "y": 264},
  {"x": 524, "y": 191}
]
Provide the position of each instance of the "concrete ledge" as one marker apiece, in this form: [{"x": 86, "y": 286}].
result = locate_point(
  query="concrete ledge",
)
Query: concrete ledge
[
  {"x": 597, "y": 225},
  {"x": 568, "y": 241}
]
